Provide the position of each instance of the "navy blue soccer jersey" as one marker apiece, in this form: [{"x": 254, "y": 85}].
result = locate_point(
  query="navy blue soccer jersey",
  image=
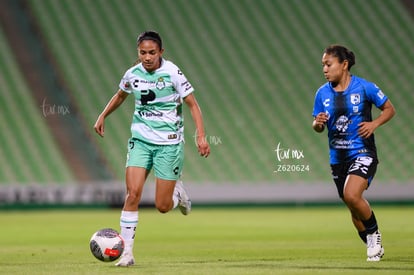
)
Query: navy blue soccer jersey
[{"x": 345, "y": 111}]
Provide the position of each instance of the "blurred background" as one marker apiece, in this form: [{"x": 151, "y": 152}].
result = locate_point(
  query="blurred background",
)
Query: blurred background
[{"x": 255, "y": 65}]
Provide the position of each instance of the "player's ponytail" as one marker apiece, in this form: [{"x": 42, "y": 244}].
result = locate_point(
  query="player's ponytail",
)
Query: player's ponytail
[{"x": 350, "y": 56}]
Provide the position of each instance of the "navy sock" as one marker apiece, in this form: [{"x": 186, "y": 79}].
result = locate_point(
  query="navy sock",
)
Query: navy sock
[
  {"x": 363, "y": 236},
  {"x": 371, "y": 224}
]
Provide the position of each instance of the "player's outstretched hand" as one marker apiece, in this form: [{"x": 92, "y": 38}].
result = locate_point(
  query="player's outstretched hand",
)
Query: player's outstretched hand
[
  {"x": 203, "y": 146},
  {"x": 99, "y": 126}
]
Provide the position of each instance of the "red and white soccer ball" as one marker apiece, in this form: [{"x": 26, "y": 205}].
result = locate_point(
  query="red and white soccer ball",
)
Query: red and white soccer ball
[{"x": 106, "y": 245}]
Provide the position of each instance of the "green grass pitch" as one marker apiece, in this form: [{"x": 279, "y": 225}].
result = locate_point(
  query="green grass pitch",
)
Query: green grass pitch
[{"x": 243, "y": 240}]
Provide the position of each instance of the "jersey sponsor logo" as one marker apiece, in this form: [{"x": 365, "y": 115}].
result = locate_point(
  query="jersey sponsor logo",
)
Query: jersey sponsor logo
[
  {"x": 380, "y": 94},
  {"x": 355, "y": 109},
  {"x": 342, "y": 123},
  {"x": 326, "y": 102},
  {"x": 146, "y": 96},
  {"x": 340, "y": 143},
  {"x": 355, "y": 99},
  {"x": 139, "y": 82},
  {"x": 364, "y": 160},
  {"x": 146, "y": 81},
  {"x": 149, "y": 114},
  {"x": 362, "y": 164},
  {"x": 187, "y": 86},
  {"x": 172, "y": 136},
  {"x": 127, "y": 85}
]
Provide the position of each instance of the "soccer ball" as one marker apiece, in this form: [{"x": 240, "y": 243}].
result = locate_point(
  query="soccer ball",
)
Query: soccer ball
[{"x": 106, "y": 245}]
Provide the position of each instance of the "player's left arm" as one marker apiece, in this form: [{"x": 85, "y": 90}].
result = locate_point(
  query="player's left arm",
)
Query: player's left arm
[
  {"x": 367, "y": 128},
  {"x": 202, "y": 144}
]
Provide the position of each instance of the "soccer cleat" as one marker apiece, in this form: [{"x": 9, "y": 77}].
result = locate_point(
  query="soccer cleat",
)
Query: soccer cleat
[
  {"x": 184, "y": 202},
  {"x": 126, "y": 260},
  {"x": 377, "y": 257},
  {"x": 374, "y": 245}
]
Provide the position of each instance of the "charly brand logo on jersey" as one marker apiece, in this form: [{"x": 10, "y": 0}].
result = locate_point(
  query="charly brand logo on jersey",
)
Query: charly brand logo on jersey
[
  {"x": 160, "y": 84},
  {"x": 342, "y": 123},
  {"x": 355, "y": 99},
  {"x": 135, "y": 83},
  {"x": 326, "y": 102}
]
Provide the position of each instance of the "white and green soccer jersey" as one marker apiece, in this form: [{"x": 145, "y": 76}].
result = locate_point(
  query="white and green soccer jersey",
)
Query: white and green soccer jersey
[{"x": 159, "y": 96}]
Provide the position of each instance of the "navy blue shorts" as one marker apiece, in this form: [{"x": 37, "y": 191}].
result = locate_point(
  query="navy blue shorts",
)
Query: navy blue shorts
[{"x": 364, "y": 166}]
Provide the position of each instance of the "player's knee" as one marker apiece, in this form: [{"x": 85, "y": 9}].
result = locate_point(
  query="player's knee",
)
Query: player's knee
[
  {"x": 351, "y": 199},
  {"x": 163, "y": 207},
  {"x": 132, "y": 198}
]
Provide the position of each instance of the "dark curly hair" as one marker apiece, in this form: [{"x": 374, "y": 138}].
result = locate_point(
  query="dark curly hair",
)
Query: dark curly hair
[
  {"x": 150, "y": 35},
  {"x": 342, "y": 53}
]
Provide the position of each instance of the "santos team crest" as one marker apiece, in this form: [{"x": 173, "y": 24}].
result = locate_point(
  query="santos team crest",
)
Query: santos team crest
[{"x": 160, "y": 83}]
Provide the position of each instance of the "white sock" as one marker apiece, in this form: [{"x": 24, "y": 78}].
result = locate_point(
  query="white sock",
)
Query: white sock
[{"x": 128, "y": 223}]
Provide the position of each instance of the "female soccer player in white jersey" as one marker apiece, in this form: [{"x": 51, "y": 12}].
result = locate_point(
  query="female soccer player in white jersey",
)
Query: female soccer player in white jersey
[
  {"x": 343, "y": 105},
  {"x": 157, "y": 127}
]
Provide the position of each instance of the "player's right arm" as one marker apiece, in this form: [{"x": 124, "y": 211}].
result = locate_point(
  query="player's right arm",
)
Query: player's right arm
[
  {"x": 319, "y": 116},
  {"x": 319, "y": 122},
  {"x": 112, "y": 105}
]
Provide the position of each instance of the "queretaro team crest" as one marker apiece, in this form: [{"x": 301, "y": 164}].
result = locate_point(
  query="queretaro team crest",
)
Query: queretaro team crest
[{"x": 355, "y": 99}]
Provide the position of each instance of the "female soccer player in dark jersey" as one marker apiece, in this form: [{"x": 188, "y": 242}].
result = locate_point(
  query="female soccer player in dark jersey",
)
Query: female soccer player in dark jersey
[{"x": 343, "y": 106}]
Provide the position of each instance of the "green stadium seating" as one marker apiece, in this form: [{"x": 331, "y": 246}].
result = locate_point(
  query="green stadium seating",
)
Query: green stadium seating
[
  {"x": 28, "y": 153},
  {"x": 255, "y": 66}
]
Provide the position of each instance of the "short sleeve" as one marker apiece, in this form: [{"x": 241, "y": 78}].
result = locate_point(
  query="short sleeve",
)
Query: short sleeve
[
  {"x": 125, "y": 84},
  {"x": 318, "y": 106},
  {"x": 375, "y": 95},
  {"x": 182, "y": 85}
]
